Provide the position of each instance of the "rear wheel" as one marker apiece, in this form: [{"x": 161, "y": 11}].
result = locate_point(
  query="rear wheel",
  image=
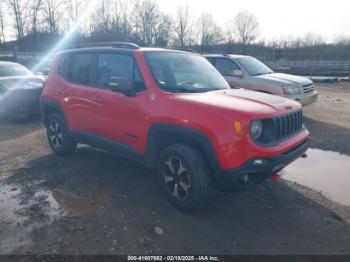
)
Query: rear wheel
[
  {"x": 58, "y": 136},
  {"x": 184, "y": 175}
]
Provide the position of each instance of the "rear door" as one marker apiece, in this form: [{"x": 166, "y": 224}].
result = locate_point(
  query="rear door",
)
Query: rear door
[{"x": 80, "y": 96}]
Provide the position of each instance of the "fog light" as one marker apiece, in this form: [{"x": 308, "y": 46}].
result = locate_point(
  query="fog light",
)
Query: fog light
[{"x": 244, "y": 179}]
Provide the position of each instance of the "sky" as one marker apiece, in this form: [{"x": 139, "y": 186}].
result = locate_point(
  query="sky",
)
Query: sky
[{"x": 277, "y": 18}]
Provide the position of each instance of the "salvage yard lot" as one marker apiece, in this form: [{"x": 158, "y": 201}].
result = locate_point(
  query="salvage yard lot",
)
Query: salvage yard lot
[{"x": 95, "y": 203}]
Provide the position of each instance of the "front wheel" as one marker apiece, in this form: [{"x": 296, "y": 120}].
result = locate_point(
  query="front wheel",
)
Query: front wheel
[
  {"x": 185, "y": 177},
  {"x": 58, "y": 135}
]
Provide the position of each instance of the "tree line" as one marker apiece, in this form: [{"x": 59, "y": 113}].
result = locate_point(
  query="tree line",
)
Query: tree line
[{"x": 39, "y": 24}]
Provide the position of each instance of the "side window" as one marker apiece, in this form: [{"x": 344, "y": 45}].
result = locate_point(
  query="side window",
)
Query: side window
[
  {"x": 80, "y": 68},
  {"x": 225, "y": 66},
  {"x": 63, "y": 65},
  {"x": 211, "y": 60},
  {"x": 118, "y": 65},
  {"x": 138, "y": 80}
]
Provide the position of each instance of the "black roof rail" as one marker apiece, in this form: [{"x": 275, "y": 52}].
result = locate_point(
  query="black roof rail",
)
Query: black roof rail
[{"x": 106, "y": 44}]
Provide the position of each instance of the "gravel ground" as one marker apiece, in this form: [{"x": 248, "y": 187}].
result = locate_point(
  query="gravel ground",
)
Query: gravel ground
[{"x": 95, "y": 203}]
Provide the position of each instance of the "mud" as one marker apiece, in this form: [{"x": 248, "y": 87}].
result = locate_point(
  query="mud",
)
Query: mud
[{"x": 95, "y": 203}]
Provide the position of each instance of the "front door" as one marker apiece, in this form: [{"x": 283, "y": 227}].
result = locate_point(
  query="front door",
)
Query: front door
[
  {"x": 226, "y": 67},
  {"x": 122, "y": 118}
]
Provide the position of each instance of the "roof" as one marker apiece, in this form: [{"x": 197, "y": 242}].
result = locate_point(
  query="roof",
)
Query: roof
[
  {"x": 116, "y": 46},
  {"x": 225, "y": 55},
  {"x": 9, "y": 63}
]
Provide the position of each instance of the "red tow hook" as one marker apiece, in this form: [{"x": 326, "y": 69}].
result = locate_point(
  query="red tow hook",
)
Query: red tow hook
[
  {"x": 275, "y": 177},
  {"x": 304, "y": 155}
]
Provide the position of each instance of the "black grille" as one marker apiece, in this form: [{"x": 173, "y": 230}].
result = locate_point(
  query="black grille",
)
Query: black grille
[
  {"x": 288, "y": 125},
  {"x": 308, "y": 88}
]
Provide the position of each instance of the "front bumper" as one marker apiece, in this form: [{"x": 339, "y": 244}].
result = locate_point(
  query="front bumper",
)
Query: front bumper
[
  {"x": 20, "y": 103},
  {"x": 306, "y": 99},
  {"x": 256, "y": 170}
]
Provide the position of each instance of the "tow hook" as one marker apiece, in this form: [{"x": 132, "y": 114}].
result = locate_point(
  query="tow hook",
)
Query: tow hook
[
  {"x": 275, "y": 177},
  {"x": 304, "y": 155}
]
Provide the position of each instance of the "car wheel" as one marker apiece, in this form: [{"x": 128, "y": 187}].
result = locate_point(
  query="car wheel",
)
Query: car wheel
[
  {"x": 58, "y": 135},
  {"x": 184, "y": 176}
]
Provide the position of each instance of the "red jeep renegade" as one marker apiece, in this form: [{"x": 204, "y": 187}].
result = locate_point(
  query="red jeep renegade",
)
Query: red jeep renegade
[{"x": 172, "y": 111}]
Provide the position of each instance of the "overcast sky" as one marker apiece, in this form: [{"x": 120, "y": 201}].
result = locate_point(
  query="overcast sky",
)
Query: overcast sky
[{"x": 277, "y": 18}]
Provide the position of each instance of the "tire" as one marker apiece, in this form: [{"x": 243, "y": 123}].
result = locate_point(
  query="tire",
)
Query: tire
[
  {"x": 184, "y": 176},
  {"x": 58, "y": 135}
]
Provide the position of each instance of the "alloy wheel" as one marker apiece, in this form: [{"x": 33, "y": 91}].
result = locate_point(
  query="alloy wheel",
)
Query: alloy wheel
[
  {"x": 55, "y": 134},
  {"x": 176, "y": 178}
]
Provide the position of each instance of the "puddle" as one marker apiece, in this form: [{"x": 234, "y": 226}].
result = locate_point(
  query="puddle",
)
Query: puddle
[
  {"x": 18, "y": 206},
  {"x": 16, "y": 209},
  {"x": 10, "y": 203},
  {"x": 324, "y": 171},
  {"x": 73, "y": 204}
]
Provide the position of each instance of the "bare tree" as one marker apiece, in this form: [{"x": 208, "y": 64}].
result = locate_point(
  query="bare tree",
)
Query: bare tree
[
  {"x": 183, "y": 27},
  {"x": 163, "y": 31},
  {"x": 34, "y": 7},
  {"x": 311, "y": 39},
  {"x": 17, "y": 6},
  {"x": 342, "y": 40},
  {"x": 209, "y": 32},
  {"x": 246, "y": 27},
  {"x": 147, "y": 20},
  {"x": 2, "y": 24},
  {"x": 101, "y": 22},
  {"x": 74, "y": 7},
  {"x": 121, "y": 20},
  {"x": 52, "y": 13}
]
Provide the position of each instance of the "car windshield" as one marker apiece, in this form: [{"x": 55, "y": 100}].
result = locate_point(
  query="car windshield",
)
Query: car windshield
[
  {"x": 253, "y": 66},
  {"x": 184, "y": 72},
  {"x": 13, "y": 70}
]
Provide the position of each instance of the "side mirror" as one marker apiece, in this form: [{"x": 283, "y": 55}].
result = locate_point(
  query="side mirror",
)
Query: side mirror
[
  {"x": 121, "y": 85},
  {"x": 238, "y": 73}
]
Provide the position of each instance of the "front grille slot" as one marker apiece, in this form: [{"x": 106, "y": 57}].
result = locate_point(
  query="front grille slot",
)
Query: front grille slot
[
  {"x": 308, "y": 88},
  {"x": 288, "y": 125}
]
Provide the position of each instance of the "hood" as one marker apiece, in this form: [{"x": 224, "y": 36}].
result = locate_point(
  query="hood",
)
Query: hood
[
  {"x": 244, "y": 101},
  {"x": 22, "y": 82},
  {"x": 286, "y": 79}
]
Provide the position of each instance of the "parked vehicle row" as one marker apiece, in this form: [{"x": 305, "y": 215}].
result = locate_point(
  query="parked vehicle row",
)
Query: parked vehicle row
[
  {"x": 249, "y": 73},
  {"x": 173, "y": 112},
  {"x": 20, "y": 90}
]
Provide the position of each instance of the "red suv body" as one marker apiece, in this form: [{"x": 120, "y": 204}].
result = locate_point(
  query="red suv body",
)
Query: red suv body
[{"x": 172, "y": 111}]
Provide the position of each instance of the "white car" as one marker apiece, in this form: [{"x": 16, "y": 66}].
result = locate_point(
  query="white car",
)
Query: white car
[
  {"x": 249, "y": 73},
  {"x": 20, "y": 90}
]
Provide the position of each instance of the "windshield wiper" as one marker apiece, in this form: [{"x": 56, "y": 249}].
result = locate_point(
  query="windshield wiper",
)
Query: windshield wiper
[{"x": 178, "y": 89}]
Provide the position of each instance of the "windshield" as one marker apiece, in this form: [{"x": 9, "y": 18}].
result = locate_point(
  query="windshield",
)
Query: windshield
[
  {"x": 13, "y": 70},
  {"x": 253, "y": 66},
  {"x": 184, "y": 72}
]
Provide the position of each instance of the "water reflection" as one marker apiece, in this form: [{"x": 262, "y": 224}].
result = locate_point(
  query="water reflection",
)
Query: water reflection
[{"x": 324, "y": 171}]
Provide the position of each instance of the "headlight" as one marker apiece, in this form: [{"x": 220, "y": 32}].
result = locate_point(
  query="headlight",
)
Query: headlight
[
  {"x": 256, "y": 128},
  {"x": 291, "y": 90}
]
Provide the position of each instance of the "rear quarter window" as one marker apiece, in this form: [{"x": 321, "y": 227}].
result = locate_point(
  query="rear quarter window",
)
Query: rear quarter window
[{"x": 63, "y": 65}]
